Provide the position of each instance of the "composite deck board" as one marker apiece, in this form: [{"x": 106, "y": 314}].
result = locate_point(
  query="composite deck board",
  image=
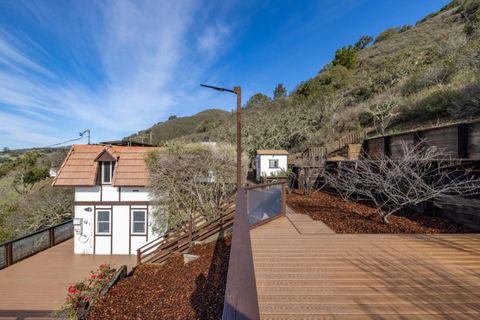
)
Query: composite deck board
[
  {"x": 36, "y": 286},
  {"x": 309, "y": 272}
]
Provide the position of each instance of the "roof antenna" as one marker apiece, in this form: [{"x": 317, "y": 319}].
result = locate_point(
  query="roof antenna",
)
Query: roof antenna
[{"x": 87, "y": 132}]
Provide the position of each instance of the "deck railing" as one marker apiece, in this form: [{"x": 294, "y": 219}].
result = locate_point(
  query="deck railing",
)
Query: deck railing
[
  {"x": 256, "y": 205},
  {"x": 18, "y": 249}
]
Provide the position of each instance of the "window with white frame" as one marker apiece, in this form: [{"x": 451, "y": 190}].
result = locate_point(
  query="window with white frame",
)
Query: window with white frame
[
  {"x": 107, "y": 171},
  {"x": 103, "y": 219},
  {"x": 273, "y": 164},
  {"x": 139, "y": 221}
]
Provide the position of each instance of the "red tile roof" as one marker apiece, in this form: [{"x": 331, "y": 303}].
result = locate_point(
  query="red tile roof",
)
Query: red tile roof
[
  {"x": 272, "y": 152},
  {"x": 81, "y": 169}
]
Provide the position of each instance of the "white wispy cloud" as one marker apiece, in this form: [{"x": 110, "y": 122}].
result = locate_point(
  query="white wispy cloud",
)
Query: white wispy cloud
[{"x": 140, "y": 53}]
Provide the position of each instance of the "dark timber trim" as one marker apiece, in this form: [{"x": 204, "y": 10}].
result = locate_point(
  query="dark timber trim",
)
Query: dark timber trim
[
  {"x": 462, "y": 141},
  {"x": 387, "y": 150},
  {"x": 112, "y": 203}
]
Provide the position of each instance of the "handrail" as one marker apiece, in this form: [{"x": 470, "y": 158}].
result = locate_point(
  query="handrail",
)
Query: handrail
[
  {"x": 163, "y": 247},
  {"x": 35, "y": 232},
  {"x": 8, "y": 245},
  {"x": 241, "y": 300}
]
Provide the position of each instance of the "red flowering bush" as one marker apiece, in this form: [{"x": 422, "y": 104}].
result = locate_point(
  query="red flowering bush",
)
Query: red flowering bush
[{"x": 82, "y": 294}]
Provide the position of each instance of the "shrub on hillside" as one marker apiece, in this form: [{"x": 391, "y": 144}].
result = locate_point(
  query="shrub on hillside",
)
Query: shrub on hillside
[
  {"x": 346, "y": 56},
  {"x": 258, "y": 100},
  {"x": 467, "y": 104},
  {"x": 385, "y": 35},
  {"x": 363, "y": 42},
  {"x": 279, "y": 92},
  {"x": 433, "y": 105},
  {"x": 435, "y": 75}
]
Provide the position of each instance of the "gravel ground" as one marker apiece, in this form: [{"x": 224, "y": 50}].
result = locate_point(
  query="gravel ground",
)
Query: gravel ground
[
  {"x": 352, "y": 217},
  {"x": 171, "y": 291}
]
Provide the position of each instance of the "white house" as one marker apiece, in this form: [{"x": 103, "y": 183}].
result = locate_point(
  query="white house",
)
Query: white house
[
  {"x": 270, "y": 163},
  {"x": 113, "y": 209}
]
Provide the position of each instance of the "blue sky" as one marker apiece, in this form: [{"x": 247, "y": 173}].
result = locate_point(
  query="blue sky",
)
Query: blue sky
[{"x": 117, "y": 67}]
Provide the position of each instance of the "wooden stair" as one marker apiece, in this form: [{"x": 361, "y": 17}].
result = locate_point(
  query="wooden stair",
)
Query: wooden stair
[
  {"x": 178, "y": 239},
  {"x": 337, "y": 147}
]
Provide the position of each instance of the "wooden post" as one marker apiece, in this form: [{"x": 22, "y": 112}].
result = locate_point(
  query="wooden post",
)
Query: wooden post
[
  {"x": 51, "y": 237},
  {"x": 462, "y": 141},
  {"x": 139, "y": 258},
  {"x": 284, "y": 199},
  {"x": 386, "y": 146},
  {"x": 365, "y": 149},
  {"x": 9, "y": 253},
  {"x": 417, "y": 137}
]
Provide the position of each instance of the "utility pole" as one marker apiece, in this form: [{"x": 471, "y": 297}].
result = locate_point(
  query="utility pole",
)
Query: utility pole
[
  {"x": 238, "y": 92},
  {"x": 85, "y": 132}
]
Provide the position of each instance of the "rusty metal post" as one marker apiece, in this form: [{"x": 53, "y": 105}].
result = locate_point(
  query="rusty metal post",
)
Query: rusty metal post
[{"x": 238, "y": 92}]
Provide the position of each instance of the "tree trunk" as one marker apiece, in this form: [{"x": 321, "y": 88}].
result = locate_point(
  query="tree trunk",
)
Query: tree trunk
[{"x": 385, "y": 219}]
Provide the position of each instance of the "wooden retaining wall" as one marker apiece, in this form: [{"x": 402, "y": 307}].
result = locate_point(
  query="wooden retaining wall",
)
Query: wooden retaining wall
[{"x": 461, "y": 141}]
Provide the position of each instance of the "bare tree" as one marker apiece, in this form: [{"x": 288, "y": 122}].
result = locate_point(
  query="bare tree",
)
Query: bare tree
[
  {"x": 422, "y": 174},
  {"x": 190, "y": 181},
  {"x": 382, "y": 111}
]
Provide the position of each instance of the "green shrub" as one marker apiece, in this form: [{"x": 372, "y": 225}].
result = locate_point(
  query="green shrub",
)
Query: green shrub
[
  {"x": 363, "y": 42},
  {"x": 258, "y": 100},
  {"x": 434, "y": 105},
  {"x": 84, "y": 293},
  {"x": 346, "y": 56},
  {"x": 385, "y": 35}
]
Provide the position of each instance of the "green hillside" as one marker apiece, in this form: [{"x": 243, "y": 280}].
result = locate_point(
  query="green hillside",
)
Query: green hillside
[
  {"x": 177, "y": 127},
  {"x": 406, "y": 76}
]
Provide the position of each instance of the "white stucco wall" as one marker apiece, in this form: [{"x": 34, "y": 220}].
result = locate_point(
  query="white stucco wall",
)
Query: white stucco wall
[
  {"x": 262, "y": 165},
  {"x": 87, "y": 193},
  {"x": 120, "y": 241},
  {"x": 110, "y": 193},
  {"x": 83, "y": 243},
  {"x": 120, "y": 232},
  {"x": 134, "y": 194}
]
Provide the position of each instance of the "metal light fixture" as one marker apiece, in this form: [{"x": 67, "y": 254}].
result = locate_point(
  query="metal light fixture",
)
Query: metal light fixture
[{"x": 238, "y": 92}]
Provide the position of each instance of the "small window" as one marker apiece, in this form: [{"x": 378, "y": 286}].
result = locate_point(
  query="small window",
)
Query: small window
[
  {"x": 107, "y": 171},
  {"x": 273, "y": 164},
  {"x": 103, "y": 222},
  {"x": 139, "y": 218}
]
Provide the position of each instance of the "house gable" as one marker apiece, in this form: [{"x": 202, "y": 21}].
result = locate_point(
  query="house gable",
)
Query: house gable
[{"x": 82, "y": 165}]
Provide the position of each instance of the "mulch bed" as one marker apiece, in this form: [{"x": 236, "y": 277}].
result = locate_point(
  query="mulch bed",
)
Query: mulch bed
[
  {"x": 352, "y": 217},
  {"x": 173, "y": 291}
]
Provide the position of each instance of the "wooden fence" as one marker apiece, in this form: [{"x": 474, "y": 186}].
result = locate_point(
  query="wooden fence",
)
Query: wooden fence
[
  {"x": 18, "y": 249},
  {"x": 460, "y": 141}
]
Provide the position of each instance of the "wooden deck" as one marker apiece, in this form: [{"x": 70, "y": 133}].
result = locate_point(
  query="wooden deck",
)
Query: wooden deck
[
  {"x": 36, "y": 286},
  {"x": 308, "y": 272}
]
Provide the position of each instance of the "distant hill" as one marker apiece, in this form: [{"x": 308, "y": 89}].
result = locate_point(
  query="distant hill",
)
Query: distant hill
[
  {"x": 177, "y": 127},
  {"x": 404, "y": 77}
]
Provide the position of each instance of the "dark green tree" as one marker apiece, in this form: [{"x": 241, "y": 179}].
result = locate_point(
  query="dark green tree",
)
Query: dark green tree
[
  {"x": 346, "y": 56},
  {"x": 363, "y": 42},
  {"x": 279, "y": 92},
  {"x": 28, "y": 174},
  {"x": 172, "y": 117},
  {"x": 258, "y": 100}
]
